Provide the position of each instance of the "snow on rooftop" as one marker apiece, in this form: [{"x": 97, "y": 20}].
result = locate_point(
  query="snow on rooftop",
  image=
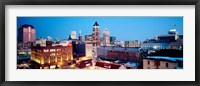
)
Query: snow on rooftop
[
  {"x": 179, "y": 67},
  {"x": 167, "y": 58},
  {"x": 133, "y": 64}
]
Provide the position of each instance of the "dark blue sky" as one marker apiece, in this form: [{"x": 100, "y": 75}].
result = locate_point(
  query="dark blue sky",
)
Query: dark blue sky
[{"x": 124, "y": 28}]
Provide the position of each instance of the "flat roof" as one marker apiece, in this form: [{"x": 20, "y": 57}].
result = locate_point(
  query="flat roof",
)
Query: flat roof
[
  {"x": 165, "y": 58},
  {"x": 133, "y": 49}
]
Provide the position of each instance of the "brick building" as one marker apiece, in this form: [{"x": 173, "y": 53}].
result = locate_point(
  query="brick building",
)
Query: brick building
[
  {"x": 119, "y": 53},
  {"x": 162, "y": 62},
  {"x": 48, "y": 56}
]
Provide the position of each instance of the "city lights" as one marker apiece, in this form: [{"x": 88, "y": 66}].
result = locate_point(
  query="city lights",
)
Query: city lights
[{"x": 99, "y": 47}]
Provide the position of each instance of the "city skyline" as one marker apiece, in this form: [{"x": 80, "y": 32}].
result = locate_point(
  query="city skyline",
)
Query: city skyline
[{"x": 150, "y": 27}]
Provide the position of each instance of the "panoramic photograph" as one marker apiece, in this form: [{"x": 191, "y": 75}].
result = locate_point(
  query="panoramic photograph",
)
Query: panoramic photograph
[{"x": 100, "y": 42}]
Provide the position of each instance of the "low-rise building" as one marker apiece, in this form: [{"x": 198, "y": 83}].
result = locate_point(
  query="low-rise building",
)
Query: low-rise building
[
  {"x": 155, "y": 46},
  {"x": 48, "y": 56},
  {"x": 119, "y": 43},
  {"x": 41, "y": 41},
  {"x": 162, "y": 62},
  {"x": 119, "y": 53},
  {"x": 134, "y": 43},
  {"x": 88, "y": 50},
  {"x": 23, "y": 54}
]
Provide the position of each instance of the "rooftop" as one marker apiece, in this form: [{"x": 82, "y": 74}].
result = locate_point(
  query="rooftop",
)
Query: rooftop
[
  {"x": 165, "y": 58},
  {"x": 130, "y": 49},
  {"x": 26, "y": 26}
]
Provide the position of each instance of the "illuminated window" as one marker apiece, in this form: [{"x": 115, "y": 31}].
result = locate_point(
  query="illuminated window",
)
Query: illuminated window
[
  {"x": 52, "y": 54},
  {"x": 52, "y": 50},
  {"x": 58, "y": 49},
  {"x": 46, "y": 50}
]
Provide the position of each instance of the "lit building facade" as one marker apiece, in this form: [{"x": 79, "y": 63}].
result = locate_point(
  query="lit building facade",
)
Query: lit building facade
[
  {"x": 88, "y": 38},
  {"x": 73, "y": 35},
  {"x": 41, "y": 42},
  {"x": 23, "y": 54},
  {"x": 172, "y": 36},
  {"x": 96, "y": 34},
  {"x": 96, "y": 37},
  {"x": 119, "y": 43},
  {"x": 170, "y": 41},
  {"x": 26, "y": 39},
  {"x": 21, "y": 45},
  {"x": 88, "y": 50},
  {"x": 52, "y": 55},
  {"x": 63, "y": 43},
  {"x": 106, "y": 37},
  {"x": 178, "y": 45},
  {"x": 134, "y": 43},
  {"x": 155, "y": 46}
]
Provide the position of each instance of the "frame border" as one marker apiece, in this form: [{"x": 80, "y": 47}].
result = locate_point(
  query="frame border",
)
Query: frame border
[{"x": 98, "y": 2}]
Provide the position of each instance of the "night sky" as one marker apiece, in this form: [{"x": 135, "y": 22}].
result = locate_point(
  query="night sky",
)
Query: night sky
[{"x": 124, "y": 28}]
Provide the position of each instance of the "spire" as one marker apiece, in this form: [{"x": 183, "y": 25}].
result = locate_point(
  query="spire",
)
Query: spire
[
  {"x": 96, "y": 24},
  {"x": 69, "y": 38}
]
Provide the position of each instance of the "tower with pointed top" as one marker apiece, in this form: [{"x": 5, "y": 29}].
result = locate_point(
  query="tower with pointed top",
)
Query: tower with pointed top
[{"x": 96, "y": 35}]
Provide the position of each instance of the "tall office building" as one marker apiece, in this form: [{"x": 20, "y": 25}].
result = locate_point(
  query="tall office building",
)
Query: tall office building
[
  {"x": 73, "y": 34},
  {"x": 26, "y": 33},
  {"x": 96, "y": 34},
  {"x": 106, "y": 37},
  {"x": 26, "y": 39},
  {"x": 96, "y": 37},
  {"x": 80, "y": 38},
  {"x": 112, "y": 40}
]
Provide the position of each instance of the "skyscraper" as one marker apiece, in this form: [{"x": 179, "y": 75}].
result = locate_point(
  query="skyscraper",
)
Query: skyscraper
[
  {"x": 106, "y": 37},
  {"x": 96, "y": 37},
  {"x": 26, "y": 33},
  {"x": 73, "y": 34},
  {"x": 80, "y": 36},
  {"x": 112, "y": 40},
  {"x": 96, "y": 34}
]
